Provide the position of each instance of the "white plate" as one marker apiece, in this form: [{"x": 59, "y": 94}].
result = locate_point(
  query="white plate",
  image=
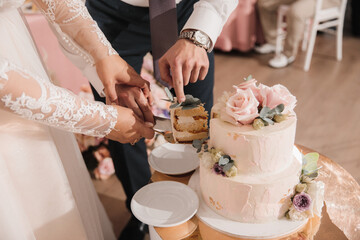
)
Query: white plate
[
  {"x": 164, "y": 204},
  {"x": 174, "y": 158},
  {"x": 270, "y": 230}
]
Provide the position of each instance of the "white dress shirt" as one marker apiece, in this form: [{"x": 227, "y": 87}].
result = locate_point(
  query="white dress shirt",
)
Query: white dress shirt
[{"x": 209, "y": 16}]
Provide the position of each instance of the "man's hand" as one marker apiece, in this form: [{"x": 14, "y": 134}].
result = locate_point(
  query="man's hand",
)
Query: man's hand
[
  {"x": 114, "y": 71},
  {"x": 184, "y": 62},
  {"x": 130, "y": 128},
  {"x": 135, "y": 99}
]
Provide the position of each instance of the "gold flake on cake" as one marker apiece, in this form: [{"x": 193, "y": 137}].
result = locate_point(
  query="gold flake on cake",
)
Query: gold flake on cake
[{"x": 216, "y": 204}]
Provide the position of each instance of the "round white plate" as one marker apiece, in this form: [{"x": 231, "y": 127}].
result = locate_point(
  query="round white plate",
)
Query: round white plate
[
  {"x": 164, "y": 204},
  {"x": 174, "y": 159},
  {"x": 269, "y": 230}
]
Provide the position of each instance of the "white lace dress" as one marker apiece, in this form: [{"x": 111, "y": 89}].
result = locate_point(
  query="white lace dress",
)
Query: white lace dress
[{"x": 45, "y": 189}]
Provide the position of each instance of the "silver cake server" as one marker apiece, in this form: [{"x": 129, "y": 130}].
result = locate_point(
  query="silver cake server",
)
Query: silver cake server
[{"x": 162, "y": 125}]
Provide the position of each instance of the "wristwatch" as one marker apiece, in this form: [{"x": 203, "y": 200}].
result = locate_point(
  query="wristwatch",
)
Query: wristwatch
[{"x": 199, "y": 38}]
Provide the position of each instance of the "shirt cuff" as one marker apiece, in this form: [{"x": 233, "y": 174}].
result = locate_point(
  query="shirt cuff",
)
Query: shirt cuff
[{"x": 207, "y": 20}]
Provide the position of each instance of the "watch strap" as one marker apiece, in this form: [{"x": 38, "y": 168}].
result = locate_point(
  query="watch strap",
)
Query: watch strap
[{"x": 190, "y": 36}]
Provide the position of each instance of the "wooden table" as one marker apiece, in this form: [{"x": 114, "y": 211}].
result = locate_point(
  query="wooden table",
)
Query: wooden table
[{"x": 190, "y": 230}]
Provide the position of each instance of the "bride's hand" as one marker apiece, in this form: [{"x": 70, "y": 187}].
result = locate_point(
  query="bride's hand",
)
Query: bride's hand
[
  {"x": 129, "y": 127},
  {"x": 114, "y": 71}
]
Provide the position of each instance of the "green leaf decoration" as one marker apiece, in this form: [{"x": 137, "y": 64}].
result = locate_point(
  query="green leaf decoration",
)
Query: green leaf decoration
[
  {"x": 225, "y": 159},
  {"x": 197, "y": 143},
  {"x": 314, "y": 174},
  {"x": 310, "y": 163},
  {"x": 248, "y": 78},
  {"x": 268, "y": 121},
  {"x": 267, "y": 114},
  {"x": 189, "y": 103},
  {"x": 264, "y": 111},
  {"x": 175, "y": 105},
  {"x": 169, "y": 94},
  {"x": 279, "y": 108},
  {"x": 228, "y": 166}
]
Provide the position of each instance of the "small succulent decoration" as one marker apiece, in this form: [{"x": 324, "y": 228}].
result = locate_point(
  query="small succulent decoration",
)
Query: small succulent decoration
[
  {"x": 269, "y": 116},
  {"x": 189, "y": 103}
]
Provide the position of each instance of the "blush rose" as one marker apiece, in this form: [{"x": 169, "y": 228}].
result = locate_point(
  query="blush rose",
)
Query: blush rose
[
  {"x": 275, "y": 95},
  {"x": 242, "y": 106}
]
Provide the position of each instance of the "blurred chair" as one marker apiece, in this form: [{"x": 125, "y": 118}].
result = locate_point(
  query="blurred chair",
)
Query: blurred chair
[{"x": 324, "y": 20}]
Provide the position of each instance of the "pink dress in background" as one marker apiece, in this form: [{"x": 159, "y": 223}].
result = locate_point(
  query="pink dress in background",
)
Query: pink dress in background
[{"x": 242, "y": 29}]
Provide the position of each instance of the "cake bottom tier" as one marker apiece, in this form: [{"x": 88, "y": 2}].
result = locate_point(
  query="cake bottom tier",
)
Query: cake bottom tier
[{"x": 250, "y": 199}]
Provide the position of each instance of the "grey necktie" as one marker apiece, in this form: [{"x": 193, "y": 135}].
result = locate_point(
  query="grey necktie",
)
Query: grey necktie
[{"x": 163, "y": 28}]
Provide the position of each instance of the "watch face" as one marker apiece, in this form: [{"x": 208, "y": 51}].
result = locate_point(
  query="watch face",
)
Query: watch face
[{"x": 201, "y": 38}]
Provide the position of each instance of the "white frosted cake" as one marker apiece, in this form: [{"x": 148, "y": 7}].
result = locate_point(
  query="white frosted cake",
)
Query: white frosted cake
[{"x": 248, "y": 172}]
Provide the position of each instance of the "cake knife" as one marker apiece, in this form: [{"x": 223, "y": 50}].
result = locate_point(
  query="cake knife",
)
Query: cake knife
[{"x": 162, "y": 125}]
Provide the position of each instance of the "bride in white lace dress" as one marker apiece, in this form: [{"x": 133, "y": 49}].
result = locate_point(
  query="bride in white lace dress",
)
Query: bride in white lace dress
[{"x": 45, "y": 189}]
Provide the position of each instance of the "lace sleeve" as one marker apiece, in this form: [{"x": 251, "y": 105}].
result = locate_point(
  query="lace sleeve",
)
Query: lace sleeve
[
  {"x": 34, "y": 98},
  {"x": 81, "y": 32}
]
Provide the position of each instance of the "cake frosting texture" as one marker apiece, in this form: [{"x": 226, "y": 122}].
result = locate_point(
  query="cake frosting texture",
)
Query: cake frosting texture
[
  {"x": 247, "y": 198},
  {"x": 268, "y": 150}
]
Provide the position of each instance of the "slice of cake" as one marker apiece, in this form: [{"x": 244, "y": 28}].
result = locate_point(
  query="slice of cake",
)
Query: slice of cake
[
  {"x": 189, "y": 120},
  {"x": 189, "y": 124}
]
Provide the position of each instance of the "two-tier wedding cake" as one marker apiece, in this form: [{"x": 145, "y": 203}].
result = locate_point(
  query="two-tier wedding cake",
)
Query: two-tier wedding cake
[{"x": 248, "y": 172}]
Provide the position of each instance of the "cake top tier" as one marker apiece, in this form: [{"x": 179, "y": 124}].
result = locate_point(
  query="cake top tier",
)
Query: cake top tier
[{"x": 255, "y": 104}]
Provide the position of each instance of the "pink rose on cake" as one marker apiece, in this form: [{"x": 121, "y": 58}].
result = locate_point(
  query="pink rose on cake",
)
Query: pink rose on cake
[
  {"x": 275, "y": 95},
  {"x": 241, "y": 107},
  {"x": 250, "y": 84}
]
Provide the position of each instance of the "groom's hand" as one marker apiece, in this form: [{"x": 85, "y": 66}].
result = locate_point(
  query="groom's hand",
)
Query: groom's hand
[
  {"x": 113, "y": 71},
  {"x": 184, "y": 62},
  {"x": 135, "y": 99}
]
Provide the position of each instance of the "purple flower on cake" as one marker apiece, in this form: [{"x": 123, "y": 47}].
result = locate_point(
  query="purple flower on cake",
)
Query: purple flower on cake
[
  {"x": 275, "y": 95},
  {"x": 242, "y": 107},
  {"x": 218, "y": 169},
  {"x": 302, "y": 202}
]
